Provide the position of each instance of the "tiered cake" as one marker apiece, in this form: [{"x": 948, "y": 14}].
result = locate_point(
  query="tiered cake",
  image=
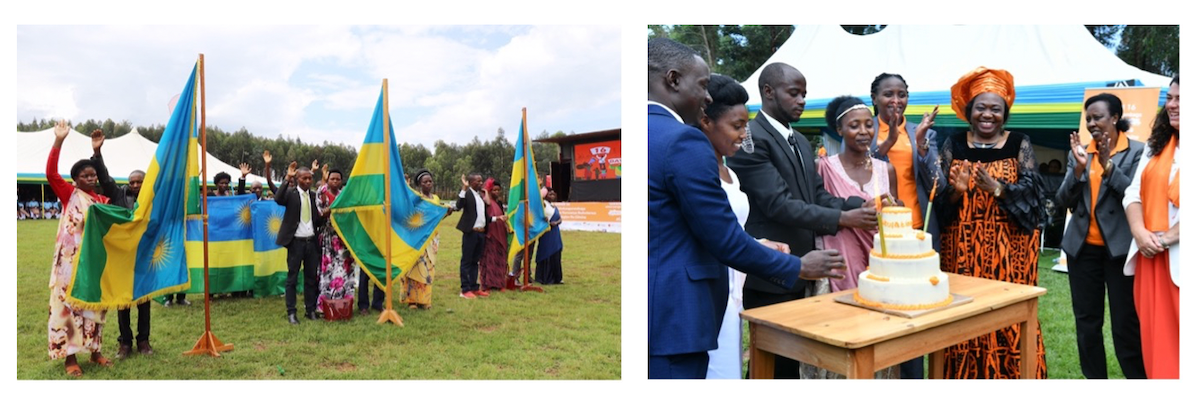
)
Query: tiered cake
[{"x": 907, "y": 277}]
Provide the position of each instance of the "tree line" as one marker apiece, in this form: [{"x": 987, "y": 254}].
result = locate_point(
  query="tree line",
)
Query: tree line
[
  {"x": 447, "y": 161},
  {"x": 738, "y": 50}
]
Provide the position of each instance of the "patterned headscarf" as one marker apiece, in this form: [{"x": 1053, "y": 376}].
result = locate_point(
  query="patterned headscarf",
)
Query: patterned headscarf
[
  {"x": 981, "y": 80},
  {"x": 487, "y": 185}
]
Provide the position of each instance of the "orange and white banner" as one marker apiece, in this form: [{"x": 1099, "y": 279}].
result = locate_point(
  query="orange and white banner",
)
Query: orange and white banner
[{"x": 590, "y": 216}]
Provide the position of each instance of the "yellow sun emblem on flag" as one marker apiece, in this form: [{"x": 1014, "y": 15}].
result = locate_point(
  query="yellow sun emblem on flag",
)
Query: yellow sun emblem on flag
[
  {"x": 244, "y": 215},
  {"x": 415, "y": 220},
  {"x": 163, "y": 251},
  {"x": 273, "y": 224}
]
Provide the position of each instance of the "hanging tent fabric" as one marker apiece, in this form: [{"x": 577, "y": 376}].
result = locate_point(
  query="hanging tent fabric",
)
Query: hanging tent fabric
[{"x": 1051, "y": 64}]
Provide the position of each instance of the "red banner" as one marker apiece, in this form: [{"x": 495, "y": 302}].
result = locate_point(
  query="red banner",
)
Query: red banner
[{"x": 598, "y": 160}]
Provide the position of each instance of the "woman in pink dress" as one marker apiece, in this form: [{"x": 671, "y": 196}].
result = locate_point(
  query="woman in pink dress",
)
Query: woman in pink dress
[{"x": 853, "y": 172}]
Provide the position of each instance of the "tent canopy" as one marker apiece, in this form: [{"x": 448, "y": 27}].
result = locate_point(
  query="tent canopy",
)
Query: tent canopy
[
  {"x": 122, "y": 155},
  {"x": 1051, "y": 66}
]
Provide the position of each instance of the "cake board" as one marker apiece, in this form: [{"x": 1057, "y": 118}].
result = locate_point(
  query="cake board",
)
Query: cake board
[{"x": 848, "y": 298}]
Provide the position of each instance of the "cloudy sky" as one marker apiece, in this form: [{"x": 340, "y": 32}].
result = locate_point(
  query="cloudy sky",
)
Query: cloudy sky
[{"x": 320, "y": 83}]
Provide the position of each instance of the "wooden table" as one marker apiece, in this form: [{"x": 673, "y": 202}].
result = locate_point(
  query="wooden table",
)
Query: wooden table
[{"x": 856, "y": 342}]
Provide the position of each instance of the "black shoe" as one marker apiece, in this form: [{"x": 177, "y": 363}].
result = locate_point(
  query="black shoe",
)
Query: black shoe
[
  {"x": 123, "y": 351},
  {"x": 292, "y": 319},
  {"x": 144, "y": 348},
  {"x": 183, "y": 302},
  {"x": 310, "y": 315}
]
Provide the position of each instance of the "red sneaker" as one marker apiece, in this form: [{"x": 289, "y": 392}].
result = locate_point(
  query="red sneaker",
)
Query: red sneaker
[
  {"x": 467, "y": 295},
  {"x": 482, "y": 293}
]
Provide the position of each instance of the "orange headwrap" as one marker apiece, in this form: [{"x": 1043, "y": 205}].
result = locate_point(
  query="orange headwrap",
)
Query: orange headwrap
[{"x": 980, "y": 80}]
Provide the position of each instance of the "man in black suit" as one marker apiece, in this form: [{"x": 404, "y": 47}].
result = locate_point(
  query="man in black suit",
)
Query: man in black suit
[
  {"x": 788, "y": 201},
  {"x": 298, "y": 232},
  {"x": 473, "y": 224}
]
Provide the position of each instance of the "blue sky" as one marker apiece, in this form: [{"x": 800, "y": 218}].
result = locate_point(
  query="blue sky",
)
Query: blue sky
[{"x": 320, "y": 83}]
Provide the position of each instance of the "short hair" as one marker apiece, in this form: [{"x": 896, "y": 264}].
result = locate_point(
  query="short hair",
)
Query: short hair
[
  {"x": 878, "y": 81},
  {"x": 137, "y": 172},
  {"x": 474, "y": 175},
  {"x": 771, "y": 75},
  {"x": 78, "y": 167},
  {"x": 339, "y": 172},
  {"x": 836, "y": 107},
  {"x": 664, "y": 55},
  {"x": 221, "y": 175},
  {"x": 726, "y": 93},
  {"x": 303, "y": 170},
  {"x": 1115, "y": 108}
]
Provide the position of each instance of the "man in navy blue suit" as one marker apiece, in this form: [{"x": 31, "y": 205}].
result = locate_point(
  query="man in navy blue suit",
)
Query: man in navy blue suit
[{"x": 693, "y": 232}]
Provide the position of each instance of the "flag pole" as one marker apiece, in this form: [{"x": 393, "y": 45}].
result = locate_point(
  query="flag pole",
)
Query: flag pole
[
  {"x": 526, "y": 220},
  {"x": 389, "y": 314},
  {"x": 208, "y": 344}
]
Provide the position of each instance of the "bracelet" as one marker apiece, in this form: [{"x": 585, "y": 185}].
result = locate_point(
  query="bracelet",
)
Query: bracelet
[{"x": 1107, "y": 168}]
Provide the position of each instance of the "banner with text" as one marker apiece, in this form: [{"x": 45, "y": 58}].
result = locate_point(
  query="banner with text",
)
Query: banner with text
[
  {"x": 590, "y": 216},
  {"x": 598, "y": 160}
]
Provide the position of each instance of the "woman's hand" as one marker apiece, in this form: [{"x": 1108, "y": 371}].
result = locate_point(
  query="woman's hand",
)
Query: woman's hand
[
  {"x": 267, "y": 157},
  {"x": 1147, "y": 242},
  {"x": 984, "y": 181},
  {"x": 61, "y": 129},
  {"x": 926, "y": 123},
  {"x": 1080, "y": 159},
  {"x": 960, "y": 176},
  {"x": 1103, "y": 148},
  {"x": 245, "y": 167}
]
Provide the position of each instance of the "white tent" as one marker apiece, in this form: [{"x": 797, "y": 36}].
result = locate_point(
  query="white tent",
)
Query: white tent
[
  {"x": 932, "y": 58},
  {"x": 122, "y": 155}
]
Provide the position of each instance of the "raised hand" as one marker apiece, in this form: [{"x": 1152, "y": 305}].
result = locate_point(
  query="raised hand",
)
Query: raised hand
[
  {"x": 960, "y": 177},
  {"x": 324, "y": 172},
  {"x": 97, "y": 140},
  {"x": 819, "y": 264},
  {"x": 1103, "y": 147},
  {"x": 926, "y": 123},
  {"x": 1078, "y": 155},
  {"x": 267, "y": 157},
  {"x": 464, "y": 182},
  {"x": 61, "y": 129},
  {"x": 245, "y": 169},
  {"x": 315, "y": 166},
  {"x": 291, "y": 170}
]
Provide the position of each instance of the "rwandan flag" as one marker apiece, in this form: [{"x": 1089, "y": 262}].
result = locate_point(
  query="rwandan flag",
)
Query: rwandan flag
[
  {"x": 536, "y": 218},
  {"x": 358, "y": 213},
  {"x": 129, "y": 256},
  {"x": 270, "y": 260},
  {"x": 230, "y": 246}
]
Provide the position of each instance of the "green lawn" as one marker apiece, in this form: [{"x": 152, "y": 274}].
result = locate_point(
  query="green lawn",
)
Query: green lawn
[
  {"x": 571, "y": 331},
  {"x": 1057, "y": 322}
]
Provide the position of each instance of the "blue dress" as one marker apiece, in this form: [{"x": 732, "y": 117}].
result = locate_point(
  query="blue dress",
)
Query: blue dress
[{"x": 549, "y": 255}]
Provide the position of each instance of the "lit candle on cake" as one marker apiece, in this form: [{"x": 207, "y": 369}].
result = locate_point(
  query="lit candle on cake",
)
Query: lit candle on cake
[{"x": 929, "y": 206}]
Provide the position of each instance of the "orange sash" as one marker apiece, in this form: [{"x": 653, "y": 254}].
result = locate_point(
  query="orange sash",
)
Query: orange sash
[
  {"x": 1158, "y": 188},
  {"x": 1095, "y": 176}
]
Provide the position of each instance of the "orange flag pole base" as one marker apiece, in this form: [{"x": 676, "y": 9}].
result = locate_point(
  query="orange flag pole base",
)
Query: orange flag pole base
[
  {"x": 530, "y": 288},
  {"x": 391, "y": 316},
  {"x": 209, "y": 345}
]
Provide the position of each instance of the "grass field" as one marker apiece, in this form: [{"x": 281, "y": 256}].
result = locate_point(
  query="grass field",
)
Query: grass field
[{"x": 572, "y": 331}]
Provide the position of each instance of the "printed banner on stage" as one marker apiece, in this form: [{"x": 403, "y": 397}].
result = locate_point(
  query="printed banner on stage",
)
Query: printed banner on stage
[
  {"x": 598, "y": 160},
  {"x": 590, "y": 216},
  {"x": 1141, "y": 104}
]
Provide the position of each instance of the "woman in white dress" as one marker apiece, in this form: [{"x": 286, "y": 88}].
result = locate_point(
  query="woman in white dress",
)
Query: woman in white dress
[{"x": 725, "y": 123}]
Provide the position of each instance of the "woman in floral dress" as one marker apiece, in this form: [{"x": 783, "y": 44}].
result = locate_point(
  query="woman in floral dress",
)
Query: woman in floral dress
[{"x": 338, "y": 271}]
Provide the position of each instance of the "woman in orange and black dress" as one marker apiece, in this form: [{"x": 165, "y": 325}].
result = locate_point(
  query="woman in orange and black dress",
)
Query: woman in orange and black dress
[{"x": 989, "y": 210}]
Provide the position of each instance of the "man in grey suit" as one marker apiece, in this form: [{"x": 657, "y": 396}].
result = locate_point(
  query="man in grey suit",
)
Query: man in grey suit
[{"x": 788, "y": 201}]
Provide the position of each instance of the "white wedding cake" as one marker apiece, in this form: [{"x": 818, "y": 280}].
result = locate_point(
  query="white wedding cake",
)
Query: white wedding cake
[{"x": 907, "y": 277}]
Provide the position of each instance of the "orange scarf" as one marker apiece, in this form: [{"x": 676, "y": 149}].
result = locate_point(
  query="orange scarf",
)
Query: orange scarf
[
  {"x": 1158, "y": 188},
  {"x": 1095, "y": 176}
]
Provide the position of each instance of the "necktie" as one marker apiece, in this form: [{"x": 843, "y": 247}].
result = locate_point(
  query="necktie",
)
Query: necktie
[
  {"x": 796, "y": 149},
  {"x": 305, "y": 211}
]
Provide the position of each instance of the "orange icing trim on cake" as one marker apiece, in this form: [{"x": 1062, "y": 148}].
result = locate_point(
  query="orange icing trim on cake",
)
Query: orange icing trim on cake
[
  {"x": 898, "y": 210},
  {"x": 878, "y": 278},
  {"x": 929, "y": 253},
  {"x": 920, "y": 235},
  {"x": 893, "y": 235},
  {"x": 898, "y": 225},
  {"x": 865, "y": 302},
  {"x": 933, "y": 280}
]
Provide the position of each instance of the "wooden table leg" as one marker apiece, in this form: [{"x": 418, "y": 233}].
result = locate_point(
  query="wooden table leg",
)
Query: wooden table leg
[
  {"x": 762, "y": 363},
  {"x": 1028, "y": 344},
  {"x": 862, "y": 363},
  {"x": 937, "y": 364}
]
